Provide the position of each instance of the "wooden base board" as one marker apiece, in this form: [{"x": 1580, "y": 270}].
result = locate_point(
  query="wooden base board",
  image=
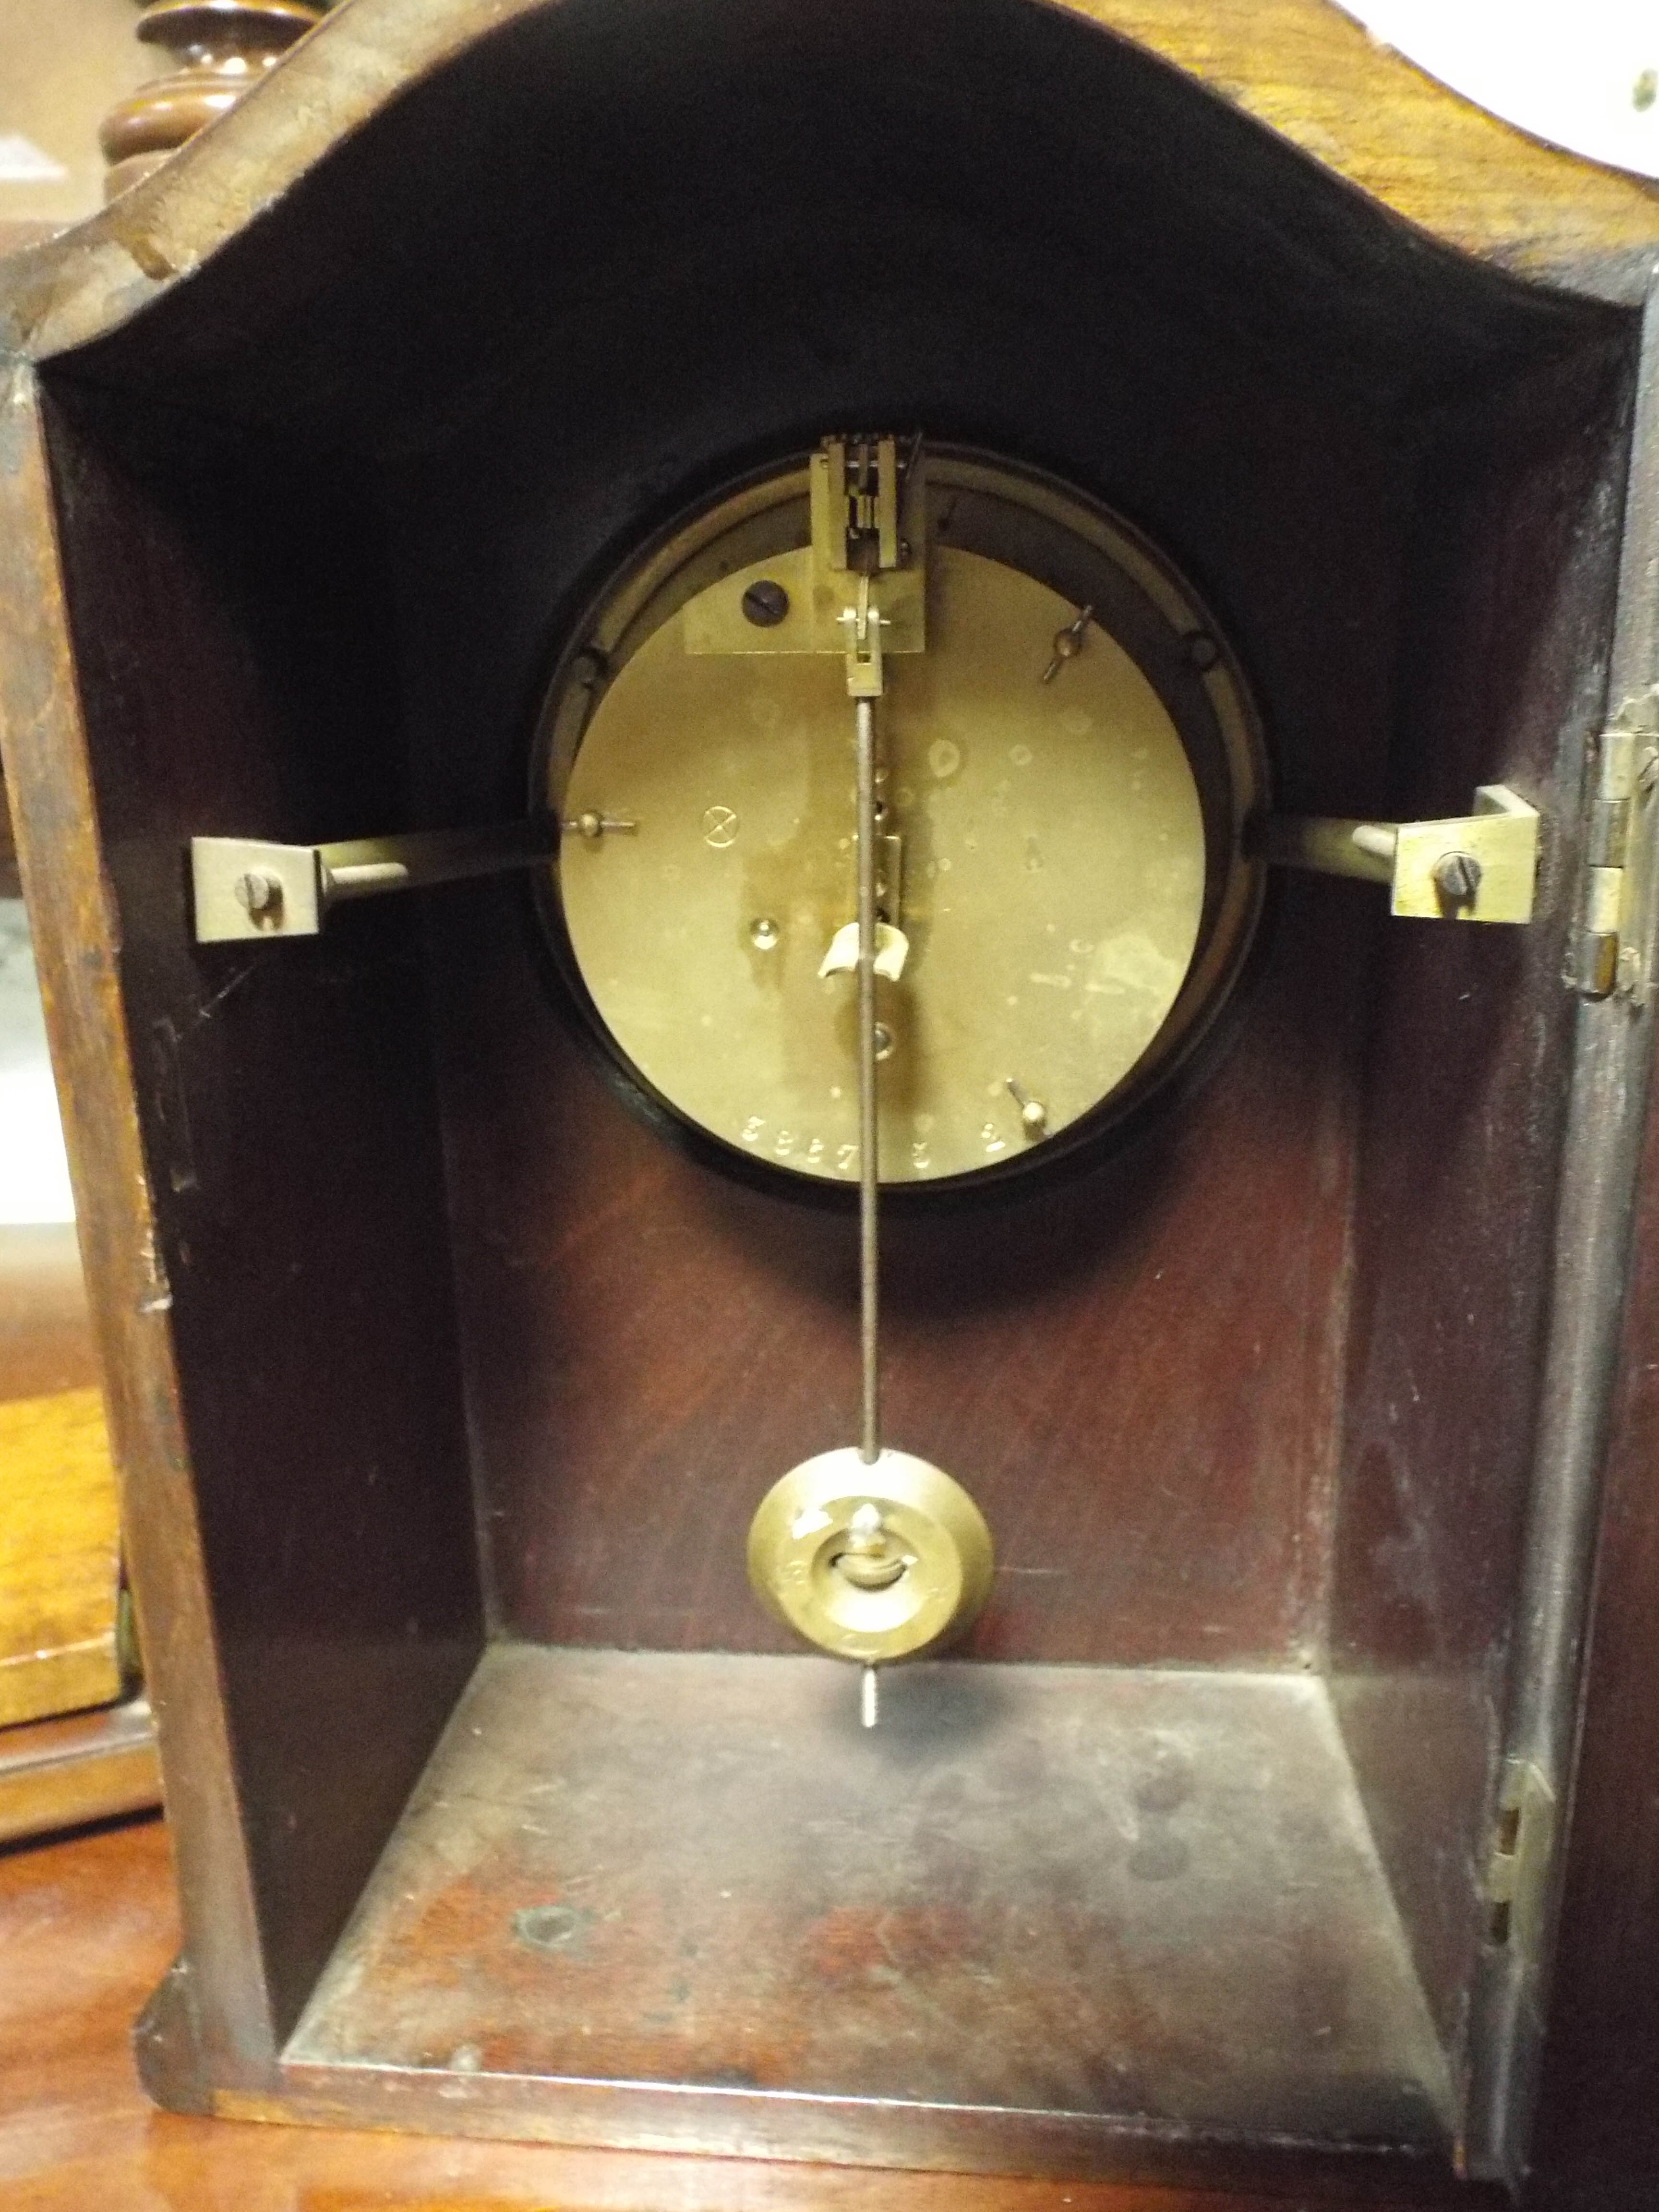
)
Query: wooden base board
[
  {"x": 87, "y": 1923},
  {"x": 685, "y": 1899}
]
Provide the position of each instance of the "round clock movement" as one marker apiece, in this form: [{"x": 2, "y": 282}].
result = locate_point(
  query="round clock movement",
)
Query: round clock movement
[
  {"x": 903, "y": 798},
  {"x": 1065, "y": 755}
]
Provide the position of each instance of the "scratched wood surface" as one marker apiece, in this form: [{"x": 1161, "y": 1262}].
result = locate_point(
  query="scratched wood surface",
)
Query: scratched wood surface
[
  {"x": 1030, "y": 1888},
  {"x": 59, "y": 1539},
  {"x": 1313, "y": 75},
  {"x": 1500, "y": 190},
  {"x": 1299, "y": 66},
  {"x": 87, "y": 1926}
]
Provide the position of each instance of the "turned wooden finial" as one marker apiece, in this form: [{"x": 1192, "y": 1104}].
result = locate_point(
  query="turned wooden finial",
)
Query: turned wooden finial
[{"x": 218, "y": 48}]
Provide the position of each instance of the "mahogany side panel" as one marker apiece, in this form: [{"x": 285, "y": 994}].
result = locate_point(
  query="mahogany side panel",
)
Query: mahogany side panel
[
  {"x": 234, "y": 675},
  {"x": 1596, "y": 2147},
  {"x": 49, "y": 780},
  {"x": 1596, "y": 2144},
  {"x": 1507, "y": 633}
]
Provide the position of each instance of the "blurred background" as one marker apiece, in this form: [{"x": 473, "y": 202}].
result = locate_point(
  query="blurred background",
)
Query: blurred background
[{"x": 63, "y": 64}]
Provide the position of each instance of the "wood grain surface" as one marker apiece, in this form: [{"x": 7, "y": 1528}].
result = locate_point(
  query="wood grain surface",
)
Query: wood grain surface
[
  {"x": 643, "y": 1369},
  {"x": 88, "y": 1925},
  {"x": 59, "y": 1523},
  {"x": 1465, "y": 1087},
  {"x": 59, "y": 1540},
  {"x": 1311, "y": 74},
  {"x": 1299, "y": 67},
  {"x": 1031, "y": 1889},
  {"x": 59, "y": 1557},
  {"x": 73, "y": 922},
  {"x": 61, "y": 1773},
  {"x": 1246, "y": 356}
]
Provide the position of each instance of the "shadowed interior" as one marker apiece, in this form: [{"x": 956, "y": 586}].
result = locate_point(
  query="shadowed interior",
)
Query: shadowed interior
[{"x": 1253, "y": 1392}]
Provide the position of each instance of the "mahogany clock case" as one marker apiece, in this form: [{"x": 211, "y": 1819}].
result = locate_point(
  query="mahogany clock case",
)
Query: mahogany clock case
[{"x": 478, "y": 1379}]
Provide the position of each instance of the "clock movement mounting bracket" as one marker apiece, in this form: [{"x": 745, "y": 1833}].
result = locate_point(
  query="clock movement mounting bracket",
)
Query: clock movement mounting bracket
[
  {"x": 1480, "y": 866},
  {"x": 245, "y": 887},
  {"x": 1475, "y": 867}
]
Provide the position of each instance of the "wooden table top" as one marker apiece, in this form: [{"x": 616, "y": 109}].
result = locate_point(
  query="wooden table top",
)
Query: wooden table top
[{"x": 87, "y": 1926}]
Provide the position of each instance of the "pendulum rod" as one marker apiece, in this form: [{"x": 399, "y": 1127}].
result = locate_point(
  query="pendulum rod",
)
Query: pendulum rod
[
  {"x": 869, "y": 1553},
  {"x": 869, "y": 1159},
  {"x": 869, "y": 1141}
]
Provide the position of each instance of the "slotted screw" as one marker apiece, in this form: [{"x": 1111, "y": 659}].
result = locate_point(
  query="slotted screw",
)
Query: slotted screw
[
  {"x": 765, "y": 605},
  {"x": 1457, "y": 877},
  {"x": 259, "y": 891}
]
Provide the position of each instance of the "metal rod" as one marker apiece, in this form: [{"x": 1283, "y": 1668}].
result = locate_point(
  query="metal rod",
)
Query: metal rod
[
  {"x": 869, "y": 1708},
  {"x": 869, "y": 1159},
  {"x": 1329, "y": 845},
  {"x": 359, "y": 868}
]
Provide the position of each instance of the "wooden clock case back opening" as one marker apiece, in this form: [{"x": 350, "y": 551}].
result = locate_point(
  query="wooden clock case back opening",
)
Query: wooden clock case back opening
[{"x": 1264, "y": 1827}]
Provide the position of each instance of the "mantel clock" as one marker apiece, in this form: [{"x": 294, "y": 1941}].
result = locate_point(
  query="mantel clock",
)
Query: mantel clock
[{"x": 841, "y": 826}]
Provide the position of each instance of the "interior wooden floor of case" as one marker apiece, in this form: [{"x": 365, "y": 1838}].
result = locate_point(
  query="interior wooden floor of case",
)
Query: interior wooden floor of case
[{"x": 1133, "y": 1893}]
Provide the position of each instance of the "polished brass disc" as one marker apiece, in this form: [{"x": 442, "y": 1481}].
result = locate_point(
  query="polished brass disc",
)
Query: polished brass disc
[
  {"x": 872, "y": 1562},
  {"x": 1062, "y": 855}
]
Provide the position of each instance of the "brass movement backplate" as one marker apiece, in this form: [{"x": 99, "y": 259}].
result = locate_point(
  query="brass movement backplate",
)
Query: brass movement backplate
[{"x": 1066, "y": 760}]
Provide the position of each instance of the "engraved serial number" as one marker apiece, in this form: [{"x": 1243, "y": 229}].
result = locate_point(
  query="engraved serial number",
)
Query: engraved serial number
[{"x": 813, "y": 1153}]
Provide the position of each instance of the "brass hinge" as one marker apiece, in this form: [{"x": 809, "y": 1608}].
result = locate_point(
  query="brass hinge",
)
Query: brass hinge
[
  {"x": 1606, "y": 953},
  {"x": 1517, "y": 1865}
]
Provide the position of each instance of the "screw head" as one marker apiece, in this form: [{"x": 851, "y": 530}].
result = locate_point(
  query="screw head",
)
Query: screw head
[
  {"x": 763, "y": 932},
  {"x": 765, "y": 605},
  {"x": 1457, "y": 877},
  {"x": 1202, "y": 651},
  {"x": 259, "y": 891},
  {"x": 884, "y": 1041}
]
